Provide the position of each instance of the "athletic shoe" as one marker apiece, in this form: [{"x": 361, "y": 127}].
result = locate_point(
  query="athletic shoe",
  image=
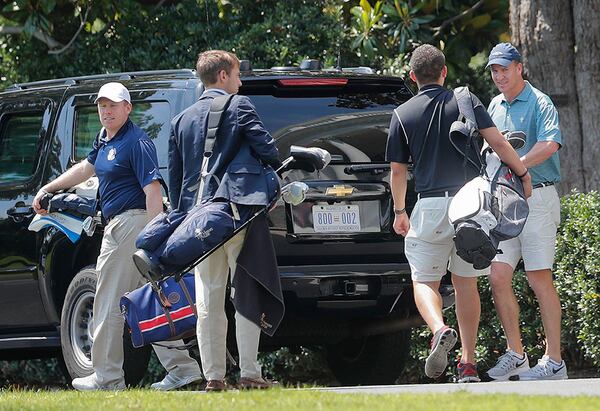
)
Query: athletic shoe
[
  {"x": 172, "y": 382},
  {"x": 546, "y": 369},
  {"x": 441, "y": 344},
  {"x": 467, "y": 372},
  {"x": 90, "y": 383},
  {"x": 509, "y": 364}
]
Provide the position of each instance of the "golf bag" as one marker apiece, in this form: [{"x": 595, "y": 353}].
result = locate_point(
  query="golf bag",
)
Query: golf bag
[
  {"x": 72, "y": 212},
  {"x": 491, "y": 207}
]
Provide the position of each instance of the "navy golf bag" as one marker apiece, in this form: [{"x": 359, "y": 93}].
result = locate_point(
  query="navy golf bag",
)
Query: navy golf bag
[{"x": 172, "y": 241}]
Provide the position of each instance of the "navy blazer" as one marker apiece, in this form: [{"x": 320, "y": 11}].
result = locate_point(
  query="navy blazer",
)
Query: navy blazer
[{"x": 240, "y": 169}]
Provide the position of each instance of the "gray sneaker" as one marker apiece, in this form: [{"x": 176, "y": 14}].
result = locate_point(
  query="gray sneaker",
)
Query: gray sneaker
[
  {"x": 508, "y": 365},
  {"x": 441, "y": 344},
  {"x": 90, "y": 383},
  {"x": 172, "y": 382},
  {"x": 546, "y": 369}
]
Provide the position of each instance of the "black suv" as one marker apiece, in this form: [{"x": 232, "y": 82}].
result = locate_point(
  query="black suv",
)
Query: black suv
[{"x": 345, "y": 278}]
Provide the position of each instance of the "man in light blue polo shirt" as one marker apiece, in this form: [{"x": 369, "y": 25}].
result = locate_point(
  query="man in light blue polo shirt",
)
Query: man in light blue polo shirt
[{"x": 522, "y": 107}]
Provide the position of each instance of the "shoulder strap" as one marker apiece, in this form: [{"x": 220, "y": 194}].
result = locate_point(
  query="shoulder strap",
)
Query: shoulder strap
[
  {"x": 467, "y": 115},
  {"x": 218, "y": 107},
  {"x": 465, "y": 104}
]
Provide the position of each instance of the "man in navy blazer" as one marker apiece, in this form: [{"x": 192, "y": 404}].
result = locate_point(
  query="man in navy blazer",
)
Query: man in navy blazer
[{"x": 240, "y": 171}]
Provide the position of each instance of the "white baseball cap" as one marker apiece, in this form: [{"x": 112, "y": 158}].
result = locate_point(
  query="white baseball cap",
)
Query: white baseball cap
[{"x": 114, "y": 92}]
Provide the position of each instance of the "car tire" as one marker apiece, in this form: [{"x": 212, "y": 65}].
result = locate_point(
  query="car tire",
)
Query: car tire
[
  {"x": 372, "y": 360},
  {"x": 76, "y": 332}
]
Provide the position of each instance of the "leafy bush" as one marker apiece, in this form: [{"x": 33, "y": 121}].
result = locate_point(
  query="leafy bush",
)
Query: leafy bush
[
  {"x": 40, "y": 372},
  {"x": 577, "y": 276}
]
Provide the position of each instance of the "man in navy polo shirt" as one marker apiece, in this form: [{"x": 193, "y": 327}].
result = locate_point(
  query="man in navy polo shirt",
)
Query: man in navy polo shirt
[
  {"x": 522, "y": 107},
  {"x": 125, "y": 161}
]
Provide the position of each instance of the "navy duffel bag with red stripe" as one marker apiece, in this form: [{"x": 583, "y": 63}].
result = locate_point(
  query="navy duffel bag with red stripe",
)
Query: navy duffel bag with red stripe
[{"x": 162, "y": 314}]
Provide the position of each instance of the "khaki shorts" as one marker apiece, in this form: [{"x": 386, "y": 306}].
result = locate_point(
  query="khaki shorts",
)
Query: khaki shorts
[
  {"x": 536, "y": 243},
  {"x": 429, "y": 246}
]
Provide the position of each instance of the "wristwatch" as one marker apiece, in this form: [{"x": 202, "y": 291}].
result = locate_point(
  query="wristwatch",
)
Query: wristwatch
[{"x": 399, "y": 211}]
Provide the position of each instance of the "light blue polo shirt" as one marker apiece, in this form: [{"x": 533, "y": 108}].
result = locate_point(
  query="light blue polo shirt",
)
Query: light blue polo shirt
[{"x": 533, "y": 113}]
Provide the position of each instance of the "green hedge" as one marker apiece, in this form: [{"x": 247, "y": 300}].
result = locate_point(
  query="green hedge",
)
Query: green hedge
[{"x": 576, "y": 279}]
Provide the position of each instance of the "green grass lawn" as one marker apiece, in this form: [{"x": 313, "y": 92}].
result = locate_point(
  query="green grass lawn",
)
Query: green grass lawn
[{"x": 286, "y": 400}]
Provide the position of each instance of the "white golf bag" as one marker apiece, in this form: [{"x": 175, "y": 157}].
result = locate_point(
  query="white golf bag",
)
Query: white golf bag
[{"x": 491, "y": 207}]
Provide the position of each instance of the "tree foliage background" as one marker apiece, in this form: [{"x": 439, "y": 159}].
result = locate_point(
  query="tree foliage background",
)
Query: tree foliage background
[{"x": 42, "y": 39}]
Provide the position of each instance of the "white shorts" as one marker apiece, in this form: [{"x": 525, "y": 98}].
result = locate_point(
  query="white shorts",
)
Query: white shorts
[
  {"x": 429, "y": 245},
  {"x": 536, "y": 243}
]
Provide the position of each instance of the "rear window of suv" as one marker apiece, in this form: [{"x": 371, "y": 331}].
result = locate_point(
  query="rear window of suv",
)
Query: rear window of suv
[{"x": 352, "y": 126}]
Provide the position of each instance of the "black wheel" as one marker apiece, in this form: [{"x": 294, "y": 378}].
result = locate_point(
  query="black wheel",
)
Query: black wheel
[
  {"x": 76, "y": 337},
  {"x": 373, "y": 360}
]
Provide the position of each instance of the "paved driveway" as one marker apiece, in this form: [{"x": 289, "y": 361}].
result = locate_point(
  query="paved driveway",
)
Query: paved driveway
[{"x": 561, "y": 388}]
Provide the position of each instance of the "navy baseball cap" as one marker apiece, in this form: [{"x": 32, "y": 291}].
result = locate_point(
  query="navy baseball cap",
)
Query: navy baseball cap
[{"x": 503, "y": 54}]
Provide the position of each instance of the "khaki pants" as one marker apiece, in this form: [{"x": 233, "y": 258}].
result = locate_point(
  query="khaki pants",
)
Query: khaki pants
[
  {"x": 211, "y": 282},
  {"x": 117, "y": 275}
]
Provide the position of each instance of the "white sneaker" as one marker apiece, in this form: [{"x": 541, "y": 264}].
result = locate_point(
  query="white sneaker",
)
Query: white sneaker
[
  {"x": 90, "y": 383},
  {"x": 546, "y": 369},
  {"x": 171, "y": 382},
  {"x": 509, "y": 364}
]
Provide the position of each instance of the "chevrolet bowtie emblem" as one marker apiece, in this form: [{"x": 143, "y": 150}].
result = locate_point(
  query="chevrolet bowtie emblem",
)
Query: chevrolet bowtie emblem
[{"x": 339, "y": 191}]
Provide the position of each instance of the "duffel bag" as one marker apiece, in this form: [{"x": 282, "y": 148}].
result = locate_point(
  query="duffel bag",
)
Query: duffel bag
[
  {"x": 169, "y": 314},
  {"x": 159, "y": 229}
]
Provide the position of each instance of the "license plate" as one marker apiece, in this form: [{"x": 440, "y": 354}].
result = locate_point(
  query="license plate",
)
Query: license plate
[{"x": 336, "y": 218}]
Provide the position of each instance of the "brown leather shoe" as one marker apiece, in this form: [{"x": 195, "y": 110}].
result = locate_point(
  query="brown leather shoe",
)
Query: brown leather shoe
[
  {"x": 216, "y": 386},
  {"x": 256, "y": 383}
]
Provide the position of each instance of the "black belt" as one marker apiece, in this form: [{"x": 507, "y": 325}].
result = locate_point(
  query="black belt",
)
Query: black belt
[
  {"x": 543, "y": 184},
  {"x": 429, "y": 194}
]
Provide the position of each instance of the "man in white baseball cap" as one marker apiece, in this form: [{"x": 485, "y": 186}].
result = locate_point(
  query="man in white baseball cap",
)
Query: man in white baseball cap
[
  {"x": 115, "y": 92},
  {"x": 125, "y": 161}
]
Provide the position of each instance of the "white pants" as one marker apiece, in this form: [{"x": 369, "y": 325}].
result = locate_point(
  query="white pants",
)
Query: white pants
[
  {"x": 117, "y": 275},
  {"x": 429, "y": 245},
  {"x": 211, "y": 282}
]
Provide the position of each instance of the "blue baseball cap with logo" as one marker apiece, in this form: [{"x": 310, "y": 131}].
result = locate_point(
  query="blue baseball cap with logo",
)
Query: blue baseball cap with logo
[{"x": 503, "y": 54}]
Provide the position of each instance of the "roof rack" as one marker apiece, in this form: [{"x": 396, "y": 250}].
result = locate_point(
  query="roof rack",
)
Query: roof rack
[
  {"x": 183, "y": 73},
  {"x": 359, "y": 70},
  {"x": 245, "y": 65},
  {"x": 285, "y": 68},
  {"x": 311, "y": 65},
  {"x": 305, "y": 65}
]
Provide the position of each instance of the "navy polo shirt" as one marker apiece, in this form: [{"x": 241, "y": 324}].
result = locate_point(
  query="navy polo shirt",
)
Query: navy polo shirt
[
  {"x": 437, "y": 165},
  {"x": 125, "y": 164}
]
